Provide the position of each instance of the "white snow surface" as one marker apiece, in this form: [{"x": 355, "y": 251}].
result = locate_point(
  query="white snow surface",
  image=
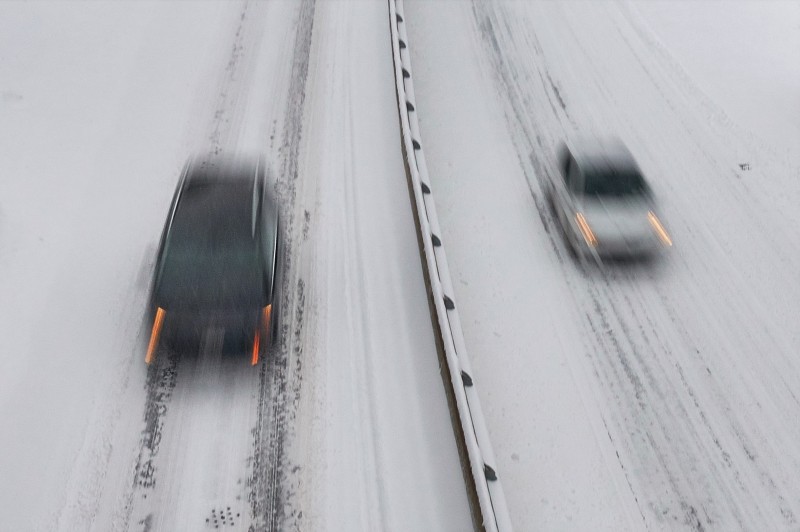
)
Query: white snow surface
[
  {"x": 629, "y": 397},
  {"x": 743, "y": 55},
  {"x": 656, "y": 396},
  {"x": 376, "y": 401},
  {"x": 100, "y": 105}
]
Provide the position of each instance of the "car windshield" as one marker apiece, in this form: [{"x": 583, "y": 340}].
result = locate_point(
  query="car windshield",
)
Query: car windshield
[
  {"x": 611, "y": 182},
  {"x": 211, "y": 259}
]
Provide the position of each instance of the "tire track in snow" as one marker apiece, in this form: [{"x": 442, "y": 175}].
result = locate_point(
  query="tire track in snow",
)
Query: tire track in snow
[
  {"x": 161, "y": 379},
  {"x": 529, "y": 138},
  {"x": 162, "y": 376},
  {"x": 661, "y": 419},
  {"x": 646, "y": 405},
  {"x": 263, "y": 482},
  {"x": 280, "y": 382},
  {"x": 363, "y": 360},
  {"x": 743, "y": 198}
]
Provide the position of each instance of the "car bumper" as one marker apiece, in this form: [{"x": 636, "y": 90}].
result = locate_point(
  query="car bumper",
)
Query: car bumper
[
  {"x": 612, "y": 248},
  {"x": 182, "y": 324}
]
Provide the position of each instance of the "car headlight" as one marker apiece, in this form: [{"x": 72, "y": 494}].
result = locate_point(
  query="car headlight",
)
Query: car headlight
[{"x": 659, "y": 229}]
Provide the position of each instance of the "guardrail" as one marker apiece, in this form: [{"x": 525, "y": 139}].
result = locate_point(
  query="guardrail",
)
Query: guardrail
[{"x": 489, "y": 510}]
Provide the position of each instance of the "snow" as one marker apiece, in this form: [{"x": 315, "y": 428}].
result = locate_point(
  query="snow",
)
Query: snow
[
  {"x": 744, "y": 57},
  {"x": 375, "y": 370},
  {"x": 82, "y": 136},
  {"x": 634, "y": 396},
  {"x": 101, "y": 105},
  {"x": 489, "y": 507},
  {"x": 627, "y": 397}
]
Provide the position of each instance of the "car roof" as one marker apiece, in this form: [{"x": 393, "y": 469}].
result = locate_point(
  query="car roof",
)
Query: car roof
[
  {"x": 219, "y": 196},
  {"x": 211, "y": 256},
  {"x": 599, "y": 154}
]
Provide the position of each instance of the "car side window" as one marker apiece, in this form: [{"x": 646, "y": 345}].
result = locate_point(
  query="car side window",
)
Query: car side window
[{"x": 574, "y": 178}]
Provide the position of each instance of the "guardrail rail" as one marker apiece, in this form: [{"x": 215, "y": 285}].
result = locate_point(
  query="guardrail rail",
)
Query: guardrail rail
[{"x": 487, "y": 500}]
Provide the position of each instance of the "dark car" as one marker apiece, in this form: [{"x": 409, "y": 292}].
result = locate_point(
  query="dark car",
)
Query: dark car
[
  {"x": 603, "y": 203},
  {"x": 217, "y": 261}
]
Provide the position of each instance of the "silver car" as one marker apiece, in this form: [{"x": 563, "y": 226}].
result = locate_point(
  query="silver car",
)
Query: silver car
[{"x": 603, "y": 203}]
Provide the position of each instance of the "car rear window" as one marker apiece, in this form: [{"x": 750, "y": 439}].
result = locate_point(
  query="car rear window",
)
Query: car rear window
[
  {"x": 212, "y": 258},
  {"x": 204, "y": 278},
  {"x": 610, "y": 182}
]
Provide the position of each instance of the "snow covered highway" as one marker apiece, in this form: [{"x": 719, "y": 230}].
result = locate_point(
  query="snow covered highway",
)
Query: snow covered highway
[
  {"x": 635, "y": 396},
  {"x": 344, "y": 425},
  {"x": 627, "y": 396}
]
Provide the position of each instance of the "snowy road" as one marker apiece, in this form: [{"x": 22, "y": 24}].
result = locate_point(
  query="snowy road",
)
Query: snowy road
[
  {"x": 344, "y": 425},
  {"x": 637, "y": 397},
  {"x": 633, "y": 397}
]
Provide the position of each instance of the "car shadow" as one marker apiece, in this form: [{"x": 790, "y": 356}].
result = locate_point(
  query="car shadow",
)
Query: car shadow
[{"x": 618, "y": 268}]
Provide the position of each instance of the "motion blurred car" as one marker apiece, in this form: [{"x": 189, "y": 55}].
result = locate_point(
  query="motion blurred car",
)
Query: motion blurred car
[
  {"x": 603, "y": 203},
  {"x": 217, "y": 261}
]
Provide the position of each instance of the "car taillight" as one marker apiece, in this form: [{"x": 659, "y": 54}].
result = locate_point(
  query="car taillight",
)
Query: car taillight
[
  {"x": 267, "y": 315},
  {"x": 256, "y": 342},
  {"x": 158, "y": 323},
  {"x": 659, "y": 229},
  {"x": 586, "y": 231}
]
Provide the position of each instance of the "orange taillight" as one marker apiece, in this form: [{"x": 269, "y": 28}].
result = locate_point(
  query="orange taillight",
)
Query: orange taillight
[
  {"x": 659, "y": 229},
  {"x": 257, "y": 339},
  {"x": 586, "y": 231},
  {"x": 256, "y": 342},
  {"x": 158, "y": 322},
  {"x": 267, "y": 316}
]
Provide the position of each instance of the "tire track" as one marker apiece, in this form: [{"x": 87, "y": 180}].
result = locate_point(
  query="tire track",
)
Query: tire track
[
  {"x": 678, "y": 437},
  {"x": 163, "y": 375},
  {"x": 280, "y": 372}
]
